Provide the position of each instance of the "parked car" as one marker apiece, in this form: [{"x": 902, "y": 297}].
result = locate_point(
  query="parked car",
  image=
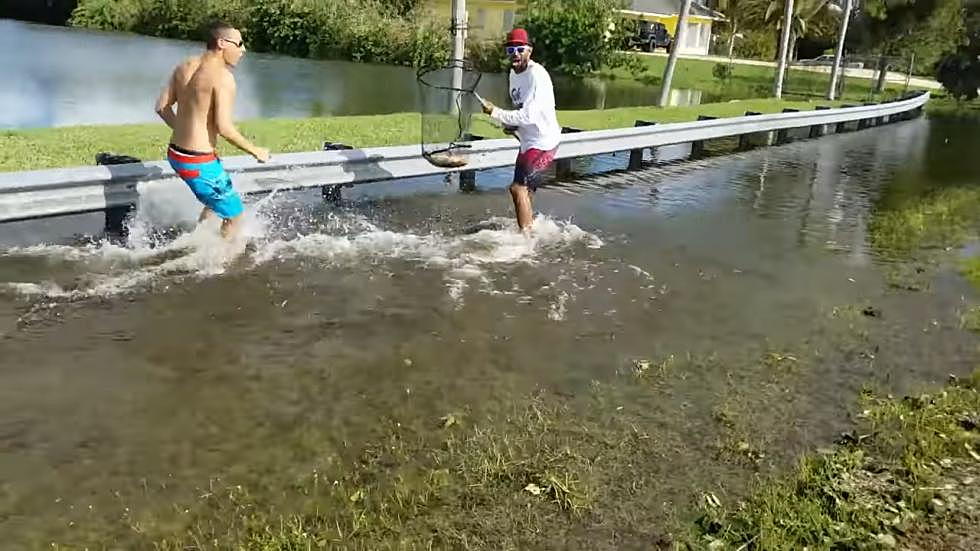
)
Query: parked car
[
  {"x": 828, "y": 60},
  {"x": 651, "y": 35}
]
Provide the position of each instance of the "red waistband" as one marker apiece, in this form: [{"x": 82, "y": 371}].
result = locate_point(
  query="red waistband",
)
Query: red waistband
[{"x": 190, "y": 159}]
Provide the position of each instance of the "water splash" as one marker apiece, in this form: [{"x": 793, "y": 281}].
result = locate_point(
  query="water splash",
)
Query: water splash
[{"x": 152, "y": 256}]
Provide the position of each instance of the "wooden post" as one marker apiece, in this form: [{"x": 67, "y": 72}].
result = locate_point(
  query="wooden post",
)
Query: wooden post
[
  {"x": 842, "y": 126},
  {"x": 636, "y": 155},
  {"x": 743, "y": 140},
  {"x": 332, "y": 193},
  {"x": 115, "y": 217},
  {"x": 818, "y": 130},
  {"x": 782, "y": 135},
  {"x": 697, "y": 148},
  {"x": 563, "y": 167},
  {"x": 467, "y": 178}
]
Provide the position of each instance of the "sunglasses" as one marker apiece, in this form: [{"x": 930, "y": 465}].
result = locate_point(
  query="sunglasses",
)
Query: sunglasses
[
  {"x": 240, "y": 43},
  {"x": 511, "y": 50}
]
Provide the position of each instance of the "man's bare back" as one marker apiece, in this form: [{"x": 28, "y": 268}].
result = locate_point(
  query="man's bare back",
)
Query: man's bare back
[{"x": 203, "y": 90}]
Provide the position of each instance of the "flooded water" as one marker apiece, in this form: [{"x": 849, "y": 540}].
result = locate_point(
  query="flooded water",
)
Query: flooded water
[
  {"x": 152, "y": 365},
  {"x": 56, "y": 76}
]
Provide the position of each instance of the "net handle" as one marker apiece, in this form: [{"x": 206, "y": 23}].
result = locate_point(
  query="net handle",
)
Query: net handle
[{"x": 452, "y": 146}]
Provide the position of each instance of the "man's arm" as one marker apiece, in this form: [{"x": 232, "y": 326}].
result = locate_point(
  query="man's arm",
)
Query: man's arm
[
  {"x": 224, "y": 100},
  {"x": 523, "y": 116},
  {"x": 167, "y": 100}
]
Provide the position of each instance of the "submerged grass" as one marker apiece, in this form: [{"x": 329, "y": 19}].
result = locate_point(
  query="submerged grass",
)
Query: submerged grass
[
  {"x": 942, "y": 105},
  {"x": 503, "y": 483},
  {"x": 78, "y": 145},
  {"x": 943, "y": 219}
]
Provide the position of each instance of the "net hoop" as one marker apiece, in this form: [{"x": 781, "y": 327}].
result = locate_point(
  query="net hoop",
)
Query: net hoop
[{"x": 445, "y": 157}]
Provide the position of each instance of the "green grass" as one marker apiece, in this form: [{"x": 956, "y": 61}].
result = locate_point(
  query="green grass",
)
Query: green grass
[
  {"x": 941, "y": 105},
  {"x": 943, "y": 219},
  {"x": 78, "y": 145},
  {"x": 747, "y": 80},
  {"x": 878, "y": 483}
]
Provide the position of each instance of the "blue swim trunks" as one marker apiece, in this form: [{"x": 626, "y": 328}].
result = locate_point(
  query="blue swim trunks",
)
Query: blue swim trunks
[{"x": 208, "y": 180}]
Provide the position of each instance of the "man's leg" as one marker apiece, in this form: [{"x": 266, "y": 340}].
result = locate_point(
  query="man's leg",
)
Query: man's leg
[
  {"x": 205, "y": 214},
  {"x": 230, "y": 227},
  {"x": 522, "y": 205}
]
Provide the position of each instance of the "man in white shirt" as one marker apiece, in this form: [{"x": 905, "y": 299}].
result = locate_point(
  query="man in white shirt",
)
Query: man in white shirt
[{"x": 533, "y": 122}]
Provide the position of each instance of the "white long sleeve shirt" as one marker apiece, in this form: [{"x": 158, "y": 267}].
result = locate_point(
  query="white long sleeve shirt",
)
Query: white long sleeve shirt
[{"x": 533, "y": 95}]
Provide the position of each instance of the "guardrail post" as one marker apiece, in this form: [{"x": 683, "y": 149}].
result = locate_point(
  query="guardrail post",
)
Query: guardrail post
[
  {"x": 332, "y": 192},
  {"x": 467, "y": 178},
  {"x": 636, "y": 155},
  {"x": 697, "y": 147},
  {"x": 563, "y": 167},
  {"x": 842, "y": 126},
  {"x": 782, "y": 136},
  {"x": 818, "y": 130},
  {"x": 115, "y": 216},
  {"x": 743, "y": 139},
  {"x": 868, "y": 122}
]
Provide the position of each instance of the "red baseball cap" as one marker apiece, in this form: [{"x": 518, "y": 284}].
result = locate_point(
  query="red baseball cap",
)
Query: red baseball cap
[{"x": 518, "y": 37}]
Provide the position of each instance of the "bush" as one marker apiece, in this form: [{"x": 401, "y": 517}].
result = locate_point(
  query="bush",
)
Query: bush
[
  {"x": 359, "y": 30},
  {"x": 487, "y": 56},
  {"x": 578, "y": 37},
  {"x": 722, "y": 71}
]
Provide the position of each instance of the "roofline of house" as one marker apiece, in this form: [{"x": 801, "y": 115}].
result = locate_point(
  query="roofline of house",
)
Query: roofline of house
[{"x": 641, "y": 13}]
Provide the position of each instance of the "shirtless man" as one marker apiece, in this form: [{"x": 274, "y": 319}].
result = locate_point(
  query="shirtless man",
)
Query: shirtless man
[{"x": 203, "y": 88}]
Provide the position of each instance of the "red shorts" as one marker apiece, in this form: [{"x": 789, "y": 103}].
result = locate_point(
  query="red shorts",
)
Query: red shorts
[{"x": 532, "y": 165}]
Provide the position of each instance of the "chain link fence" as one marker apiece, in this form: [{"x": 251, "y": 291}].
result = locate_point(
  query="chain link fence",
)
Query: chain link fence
[{"x": 862, "y": 77}]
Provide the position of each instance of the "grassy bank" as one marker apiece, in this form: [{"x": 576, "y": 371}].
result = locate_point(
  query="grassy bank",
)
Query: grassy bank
[
  {"x": 78, "y": 145},
  {"x": 598, "y": 469},
  {"x": 904, "y": 476},
  {"x": 941, "y": 105}
]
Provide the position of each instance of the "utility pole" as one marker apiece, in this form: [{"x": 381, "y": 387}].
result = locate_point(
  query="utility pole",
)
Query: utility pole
[
  {"x": 458, "y": 30},
  {"x": 679, "y": 34},
  {"x": 839, "y": 53},
  {"x": 783, "y": 50}
]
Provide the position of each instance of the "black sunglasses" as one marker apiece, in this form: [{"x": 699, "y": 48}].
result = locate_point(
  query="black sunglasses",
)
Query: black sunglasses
[{"x": 240, "y": 43}]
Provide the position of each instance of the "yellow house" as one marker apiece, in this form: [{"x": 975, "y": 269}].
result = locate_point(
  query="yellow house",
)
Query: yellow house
[
  {"x": 487, "y": 18},
  {"x": 697, "y": 39}
]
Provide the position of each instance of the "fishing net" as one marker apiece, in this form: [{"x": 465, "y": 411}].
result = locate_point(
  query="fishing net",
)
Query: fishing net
[{"x": 448, "y": 104}]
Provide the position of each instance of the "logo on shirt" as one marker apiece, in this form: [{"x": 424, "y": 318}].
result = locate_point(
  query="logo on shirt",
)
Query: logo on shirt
[{"x": 515, "y": 97}]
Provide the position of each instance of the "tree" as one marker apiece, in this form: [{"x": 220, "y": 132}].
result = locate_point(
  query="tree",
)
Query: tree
[
  {"x": 959, "y": 72},
  {"x": 899, "y": 28},
  {"x": 577, "y": 37},
  {"x": 810, "y": 17},
  {"x": 733, "y": 10}
]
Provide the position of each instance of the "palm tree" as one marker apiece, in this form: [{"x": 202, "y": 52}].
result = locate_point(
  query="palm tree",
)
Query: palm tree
[
  {"x": 808, "y": 15},
  {"x": 733, "y": 10}
]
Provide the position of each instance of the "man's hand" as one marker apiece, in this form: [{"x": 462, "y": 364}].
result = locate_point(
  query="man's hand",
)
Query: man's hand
[
  {"x": 488, "y": 107},
  {"x": 261, "y": 154}
]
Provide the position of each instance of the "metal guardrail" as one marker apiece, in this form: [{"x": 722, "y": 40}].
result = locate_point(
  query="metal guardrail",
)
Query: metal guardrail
[{"x": 55, "y": 192}]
